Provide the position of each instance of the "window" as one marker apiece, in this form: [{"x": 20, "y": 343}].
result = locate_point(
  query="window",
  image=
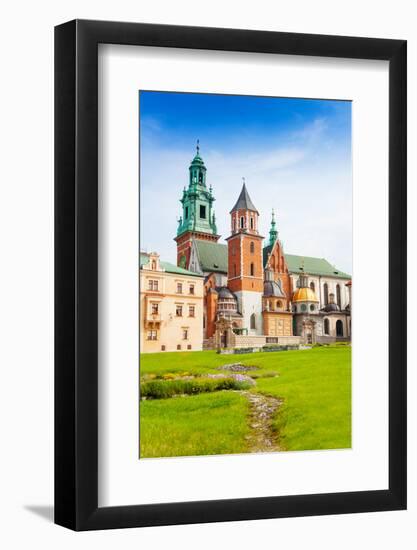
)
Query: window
[
  {"x": 178, "y": 346},
  {"x": 338, "y": 296},
  {"x": 242, "y": 222},
  {"x": 303, "y": 307},
  {"x": 252, "y": 270},
  {"x": 155, "y": 309},
  {"x": 185, "y": 333},
  {"x": 152, "y": 334},
  {"x": 152, "y": 285},
  {"x": 251, "y": 223},
  {"x": 326, "y": 326},
  {"x": 200, "y": 177},
  {"x": 252, "y": 247},
  {"x": 178, "y": 311},
  {"x": 312, "y": 286},
  {"x": 202, "y": 211},
  {"x": 153, "y": 265},
  {"x": 279, "y": 304},
  {"x": 192, "y": 289},
  {"x": 234, "y": 270},
  {"x": 326, "y": 293},
  {"x": 294, "y": 308},
  {"x": 312, "y": 307},
  {"x": 189, "y": 346},
  {"x": 163, "y": 348},
  {"x": 186, "y": 212},
  {"x": 253, "y": 321},
  {"x": 179, "y": 288},
  {"x": 191, "y": 311}
]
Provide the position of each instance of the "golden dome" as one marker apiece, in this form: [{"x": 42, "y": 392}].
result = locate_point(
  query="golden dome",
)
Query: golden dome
[{"x": 305, "y": 294}]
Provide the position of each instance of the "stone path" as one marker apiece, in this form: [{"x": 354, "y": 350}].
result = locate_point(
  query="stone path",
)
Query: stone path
[{"x": 262, "y": 412}]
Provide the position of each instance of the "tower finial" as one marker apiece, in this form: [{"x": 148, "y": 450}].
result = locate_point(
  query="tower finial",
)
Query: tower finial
[
  {"x": 198, "y": 147},
  {"x": 273, "y": 233},
  {"x": 244, "y": 181}
]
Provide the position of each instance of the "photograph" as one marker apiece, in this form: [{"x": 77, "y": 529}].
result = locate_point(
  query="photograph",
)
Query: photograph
[{"x": 245, "y": 274}]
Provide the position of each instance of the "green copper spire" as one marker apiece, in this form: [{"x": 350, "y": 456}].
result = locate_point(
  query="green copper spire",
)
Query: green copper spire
[
  {"x": 197, "y": 200},
  {"x": 273, "y": 233}
]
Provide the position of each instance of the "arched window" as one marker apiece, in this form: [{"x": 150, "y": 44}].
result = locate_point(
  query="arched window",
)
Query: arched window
[
  {"x": 326, "y": 327},
  {"x": 326, "y": 293},
  {"x": 251, "y": 223},
  {"x": 339, "y": 328},
  {"x": 270, "y": 305},
  {"x": 279, "y": 304},
  {"x": 253, "y": 321},
  {"x": 252, "y": 247},
  {"x": 242, "y": 221},
  {"x": 252, "y": 270},
  {"x": 338, "y": 297},
  {"x": 312, "y": 286}
]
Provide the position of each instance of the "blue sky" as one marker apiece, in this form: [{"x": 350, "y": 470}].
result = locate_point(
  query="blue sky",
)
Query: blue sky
[{"x": 295, "y": 155}]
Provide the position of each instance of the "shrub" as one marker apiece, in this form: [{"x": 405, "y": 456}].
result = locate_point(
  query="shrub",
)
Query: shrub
[
  {"x": 274, "y": 347},
  {"x": 162, "y": 389},
  {"x": 243, "y": 350}
]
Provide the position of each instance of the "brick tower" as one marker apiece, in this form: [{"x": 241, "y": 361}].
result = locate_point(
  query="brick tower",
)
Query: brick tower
[
  {"x": 245, "y": 269},
  {"x": 198, "y": 220}
]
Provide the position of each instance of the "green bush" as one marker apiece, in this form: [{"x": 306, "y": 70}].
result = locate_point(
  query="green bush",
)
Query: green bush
[
  {"x": 243, "y": 350},
  {"x": 274, "y": 347},
  {"x": 162, "y": 389}
]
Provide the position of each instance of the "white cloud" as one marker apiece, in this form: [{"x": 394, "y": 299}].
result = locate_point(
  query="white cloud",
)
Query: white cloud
[{"x": 309, "y": 188}]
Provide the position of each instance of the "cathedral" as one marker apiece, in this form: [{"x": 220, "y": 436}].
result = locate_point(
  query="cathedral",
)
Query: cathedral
[{"x": 256, "y": 294}]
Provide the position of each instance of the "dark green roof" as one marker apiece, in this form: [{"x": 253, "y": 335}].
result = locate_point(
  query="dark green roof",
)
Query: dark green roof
[
  {"x": 313, "y": 266},
  {"x": 168, "y": 267},
  {"x": 212, "y": 256}
]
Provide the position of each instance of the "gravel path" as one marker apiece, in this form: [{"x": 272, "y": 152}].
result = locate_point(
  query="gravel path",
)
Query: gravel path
[{"x": 262, "y": 411}]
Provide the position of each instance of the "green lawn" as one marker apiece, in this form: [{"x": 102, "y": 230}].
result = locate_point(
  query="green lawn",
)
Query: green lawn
[
  {"x": 205, "y": 424},
  {"x": 315, "y": 386}
]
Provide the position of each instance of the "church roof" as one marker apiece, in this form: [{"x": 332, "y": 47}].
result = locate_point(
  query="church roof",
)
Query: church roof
[
  {"x": 244, "y": 201},
  {"x": 312, "y": 266},
  {"x": 212, "y": 256}
]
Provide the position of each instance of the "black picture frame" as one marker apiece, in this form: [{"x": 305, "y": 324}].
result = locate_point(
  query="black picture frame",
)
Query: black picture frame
[{"x": 76, "y": 272}]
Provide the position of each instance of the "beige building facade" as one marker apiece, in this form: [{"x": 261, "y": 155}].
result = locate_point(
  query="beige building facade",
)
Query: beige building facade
[{"x": 170, "y": 308}]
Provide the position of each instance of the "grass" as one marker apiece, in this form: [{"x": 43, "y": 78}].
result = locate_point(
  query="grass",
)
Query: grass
[
  {"x": 315, "y": 386},
  {"x": 161, "y": 389},
  {"x": 205, "y": 424}
]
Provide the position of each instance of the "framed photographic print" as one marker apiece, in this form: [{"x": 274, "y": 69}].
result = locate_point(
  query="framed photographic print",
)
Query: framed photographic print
[{"x": 230, "y": 338}]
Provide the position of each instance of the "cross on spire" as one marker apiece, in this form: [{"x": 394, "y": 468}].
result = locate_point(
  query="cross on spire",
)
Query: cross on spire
[{"x": 198, "y": 147}]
